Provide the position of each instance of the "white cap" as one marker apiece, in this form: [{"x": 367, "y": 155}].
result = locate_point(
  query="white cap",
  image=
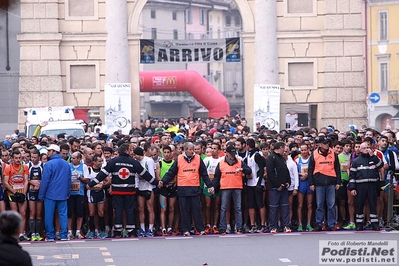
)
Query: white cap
[
  {"x": 54, "y": 148},
  {"x": 43, "y": 151}
]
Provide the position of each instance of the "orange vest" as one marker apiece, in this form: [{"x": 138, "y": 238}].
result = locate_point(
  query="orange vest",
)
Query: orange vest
[
  {"x": 324, "y": 165},
  {"x": 188, "y": 173},
  {"x": 229, "y": 179}
]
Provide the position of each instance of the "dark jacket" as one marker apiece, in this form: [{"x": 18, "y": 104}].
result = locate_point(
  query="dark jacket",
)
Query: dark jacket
[
  {"x": 188, "y": 190},
  {"x": 56, "y": 179},
  {"x": 319, "y": 179},
  {"x": 122, "y": 170},
  {"x": 365, "y": 169},
  {"x": 12, "y": 254},
  {"x": 277, "y": 171}
]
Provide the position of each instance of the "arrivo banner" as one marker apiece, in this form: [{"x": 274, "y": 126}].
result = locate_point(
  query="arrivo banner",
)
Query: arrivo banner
[{"x": 189, "y": 51}]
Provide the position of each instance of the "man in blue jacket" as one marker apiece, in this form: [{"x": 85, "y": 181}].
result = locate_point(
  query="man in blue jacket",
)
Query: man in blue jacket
[{"x": 55, "y": 189}]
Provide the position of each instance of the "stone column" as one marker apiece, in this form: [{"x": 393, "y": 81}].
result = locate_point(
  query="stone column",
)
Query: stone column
[
  {"x": 266, "y": 50},
  {"x": 117, "y": 46},
  {"x": 40, "y": 69},
  {"x": 134, "y": 46}
]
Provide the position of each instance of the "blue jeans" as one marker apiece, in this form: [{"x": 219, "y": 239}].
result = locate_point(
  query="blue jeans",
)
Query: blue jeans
[
  {"x": 279, "y": 200},
  {"x": 325, "y": 194},
  {"x": 49, "y": 208},
  {"x": 225, "y": 199}
]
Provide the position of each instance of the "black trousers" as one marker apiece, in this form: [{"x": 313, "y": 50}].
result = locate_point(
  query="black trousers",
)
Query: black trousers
[
  {"x": 123, "y": 203},
  {"x": 366, "y": 191},
  {"x": 190, "y": 205}
]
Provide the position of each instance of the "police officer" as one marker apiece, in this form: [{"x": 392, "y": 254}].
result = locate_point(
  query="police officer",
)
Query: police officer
[
  {"x": 123, "y": 169},
  {"x": 363, "y": 179}
]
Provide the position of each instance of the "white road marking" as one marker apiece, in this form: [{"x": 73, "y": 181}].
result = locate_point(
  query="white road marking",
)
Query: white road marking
[
  {"x": 109, "y": 260},
  {"x": 284, "y": 260},
  {"x": 127, "y": 239},
  {"x": 103, "y": 248},
  {"x": 106, "y": 253}
]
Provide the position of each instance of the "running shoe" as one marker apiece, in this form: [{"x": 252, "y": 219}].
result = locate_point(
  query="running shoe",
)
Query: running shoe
[
  {"x": 176, "y": 231},
  {"x": 187, "y": 233},
  {"x": 287, "y": 229},
  {"x": 368, "y": 226},
  {"x": 102, "y": 235},
  {"x": 149, "y": 233},
  {"x": 239, "y": 231},
  {"x": 309, "y": 228},
  {"x": 164, "y": 233},
  {"x": 140, "y": 233},
  {"x": 215, "y": 230},
  {"x": 350, "y": 226},
  {"x": 79, "y": 236},
  {"x": 202, "y": 233},
  {"x": 208, "y": 229},
  {"x": 336, "y": 226},
  {"x": 64, "y": 239},
  {"x": 23, "y": 237},
  {"x": 90, "y": 235},
  {"x": 253, "y": 229},
  {"x": 380, "y": 222},
  {"x": 70, "y": 235},
  {"x": 57, "y": 236},
  {"x": 300, "y": 229},
  {"x": 196, "y": 232},
  {"x": 228, "y": 230},
  {"x": 33, "y": 237},
  {"x": 273, "y": 230},
  {"x": 49, "y": 240},
  {"x": 324, "y": 226},
  {"x": 318, "y": 228},
  {"x": 170, "y": 232},
  {"x": 125, "y": 233},
  {"x": 261, "y": 229}
]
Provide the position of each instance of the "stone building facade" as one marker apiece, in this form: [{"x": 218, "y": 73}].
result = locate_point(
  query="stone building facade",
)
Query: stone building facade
[{"x": 321, "y": 56}]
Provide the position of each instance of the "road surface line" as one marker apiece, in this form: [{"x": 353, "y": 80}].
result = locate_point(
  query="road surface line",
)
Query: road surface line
[
  {"x": 106, "y": 253},
  {"x": 109, "y": 260},
  {"x": 284, "y": 259},
  {"x": 288, "y": 234},
  {"x": 103, "y": 248},
  {"x": 178, "y": 237},
  {"x": 75, "y": 256},
  {"x": 127, "y": 239}
]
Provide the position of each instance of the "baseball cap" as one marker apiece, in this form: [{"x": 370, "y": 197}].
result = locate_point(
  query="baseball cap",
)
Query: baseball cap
[
  {"x": 138, "y": 151},
  {"x": 322, "y": 140},
  {"x": 54, "y": 148},
  {"x": 231, "y": 149}
]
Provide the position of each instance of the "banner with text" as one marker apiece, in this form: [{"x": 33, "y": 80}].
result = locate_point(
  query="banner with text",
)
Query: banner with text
[
  {"x": 117, "y": 107},
  {"x": 267, "y": 106},
  {"x": 189, "y": 51}
]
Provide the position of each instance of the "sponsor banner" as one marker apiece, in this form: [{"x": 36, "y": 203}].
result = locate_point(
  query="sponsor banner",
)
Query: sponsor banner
[
  {"x": 117, "y": 107},
  {"x": 267, "y": 105},
  {"x": 189, "y": 51},
  {"x": 346, "y": 252}
]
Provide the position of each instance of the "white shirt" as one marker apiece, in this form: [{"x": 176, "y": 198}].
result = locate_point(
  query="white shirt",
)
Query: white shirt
[
  {"x": 149, "y": 165},
  {"x": 292, "y": 167}
]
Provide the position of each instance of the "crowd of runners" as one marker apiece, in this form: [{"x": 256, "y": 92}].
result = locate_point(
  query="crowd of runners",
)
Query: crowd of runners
[{"x": 198, "y": 176}]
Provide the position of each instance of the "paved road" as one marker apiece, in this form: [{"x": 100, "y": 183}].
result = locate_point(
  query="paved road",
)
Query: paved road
[{"x": 299, "y": 249}]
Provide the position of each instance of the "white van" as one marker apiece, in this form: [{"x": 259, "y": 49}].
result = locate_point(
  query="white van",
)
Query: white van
[{"x": 69, "y": 127}]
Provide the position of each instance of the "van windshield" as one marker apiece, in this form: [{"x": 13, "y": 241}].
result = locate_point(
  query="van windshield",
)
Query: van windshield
[{"x": 76, "y": 132}]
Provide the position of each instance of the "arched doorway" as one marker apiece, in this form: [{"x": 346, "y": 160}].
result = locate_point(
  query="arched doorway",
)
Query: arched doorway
[
  {"x": 247, "y": 40},
  {"x": 384, "y": 121}
]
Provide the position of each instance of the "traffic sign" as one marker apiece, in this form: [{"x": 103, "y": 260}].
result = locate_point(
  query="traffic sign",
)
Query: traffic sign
[{"x": 374, "y": 97}]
